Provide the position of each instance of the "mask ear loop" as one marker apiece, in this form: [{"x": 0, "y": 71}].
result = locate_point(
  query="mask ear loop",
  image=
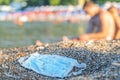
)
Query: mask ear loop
[{"x": 81, "y": 67}]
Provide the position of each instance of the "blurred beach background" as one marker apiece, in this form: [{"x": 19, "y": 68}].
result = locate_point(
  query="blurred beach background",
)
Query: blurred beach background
[{"x": 22, "y": 22}]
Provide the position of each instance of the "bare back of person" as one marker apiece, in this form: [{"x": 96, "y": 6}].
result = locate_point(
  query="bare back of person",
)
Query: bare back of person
[{"x": 114, "y": 12}]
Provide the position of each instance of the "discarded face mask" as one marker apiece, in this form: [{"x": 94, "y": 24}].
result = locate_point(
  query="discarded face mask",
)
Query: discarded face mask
[{"x": 51, "y": 65}]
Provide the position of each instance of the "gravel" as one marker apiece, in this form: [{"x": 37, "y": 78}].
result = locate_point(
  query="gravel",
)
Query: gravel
[{"x": 102, "y": 59}]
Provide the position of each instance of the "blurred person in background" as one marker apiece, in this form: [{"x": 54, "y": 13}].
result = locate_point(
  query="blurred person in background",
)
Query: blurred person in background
[
  {"x": 113, "y": 10},
  {"x": 101, "y": 25}
]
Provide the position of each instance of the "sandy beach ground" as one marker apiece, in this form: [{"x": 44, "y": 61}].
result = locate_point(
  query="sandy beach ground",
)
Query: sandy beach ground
[{"x": 102, "y": 59}]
